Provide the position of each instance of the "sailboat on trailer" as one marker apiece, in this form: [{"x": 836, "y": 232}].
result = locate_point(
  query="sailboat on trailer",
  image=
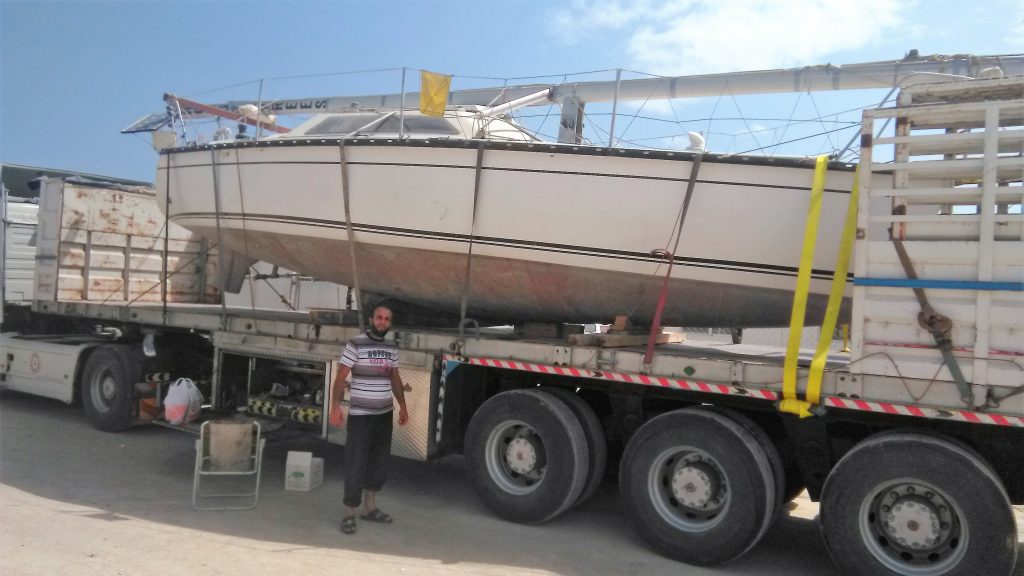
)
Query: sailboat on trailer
[{"x": 471, "y": 207}]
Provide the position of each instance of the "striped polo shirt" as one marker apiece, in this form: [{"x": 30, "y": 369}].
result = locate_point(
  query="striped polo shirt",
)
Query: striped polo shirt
[{"x": 371, "y": 362}]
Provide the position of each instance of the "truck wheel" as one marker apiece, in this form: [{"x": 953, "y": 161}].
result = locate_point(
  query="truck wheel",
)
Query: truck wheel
[
  {"x": 108, "y": 387},
  {"x": 771, "y": 453},
  {"x": 594, "y": 433},
  {"x": 527, "y": 456},
  {"x": 698, "y": 486},
  {"x": 910, "y": 503}
]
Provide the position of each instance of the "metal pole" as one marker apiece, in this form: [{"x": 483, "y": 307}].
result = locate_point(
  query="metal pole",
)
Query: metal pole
[
  {"x": 401, "y": 109},
  {"x": 857, "y": 135},
  {"x": 221, "y": 252},
  {"x": 164, "y": 288},
  {"x": 3, "y": 247},
  {"x": 615, "y": 106},
  {"x": 350, "y": 231},
  {"x": 259, "y": 110}
]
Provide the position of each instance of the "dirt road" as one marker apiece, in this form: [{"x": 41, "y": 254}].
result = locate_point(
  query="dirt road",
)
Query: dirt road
[{"x": 77, "y": 501}]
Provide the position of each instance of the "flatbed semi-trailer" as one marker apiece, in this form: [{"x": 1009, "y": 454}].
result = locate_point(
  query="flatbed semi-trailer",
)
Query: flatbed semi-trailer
[{"x": 912, "y": 442}]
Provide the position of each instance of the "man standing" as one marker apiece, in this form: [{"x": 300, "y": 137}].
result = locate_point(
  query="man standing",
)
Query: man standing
[{"x": 373, "y": 363}]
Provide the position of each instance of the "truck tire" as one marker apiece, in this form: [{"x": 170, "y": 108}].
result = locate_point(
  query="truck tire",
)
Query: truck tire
[
  {"x": 912, "y": 503},
  {"x": 596, "y": 443},
  {"x": 697, "y": 486},
  {"x": 527, "y": 456},
  {"x": 794, "y": 485},
  {"x": 771, "y": 453},
  {"x": 108, "y": 386}
]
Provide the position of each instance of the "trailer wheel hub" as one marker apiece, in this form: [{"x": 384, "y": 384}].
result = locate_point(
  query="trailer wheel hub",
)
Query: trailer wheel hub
[
  {"x": 694, "y": 485},
  {"x": 521, "y": 455},
  {"x": 914, "y": 522},
  {"x": 108, "y": 387}
]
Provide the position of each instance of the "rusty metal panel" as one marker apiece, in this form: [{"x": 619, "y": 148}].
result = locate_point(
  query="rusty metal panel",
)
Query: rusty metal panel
[{"x": 110, "y": 248}]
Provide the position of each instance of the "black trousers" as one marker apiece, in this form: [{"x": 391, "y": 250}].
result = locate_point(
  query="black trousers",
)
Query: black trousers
[{"x": 367, "y": 450}]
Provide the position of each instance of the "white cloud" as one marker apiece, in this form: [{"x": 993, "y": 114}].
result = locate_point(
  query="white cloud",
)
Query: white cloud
[
  {"x": 586, "y": 17},
  {"x": 1015, "y": 35},
  {"x": 702, "y": 36}
]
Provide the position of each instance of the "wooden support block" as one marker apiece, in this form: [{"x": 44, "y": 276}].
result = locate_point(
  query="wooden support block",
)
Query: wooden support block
[{"x": 621, "y": 324}]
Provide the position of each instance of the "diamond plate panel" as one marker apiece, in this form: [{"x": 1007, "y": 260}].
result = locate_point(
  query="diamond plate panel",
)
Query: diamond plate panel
[{"x": 412, "y": 440}]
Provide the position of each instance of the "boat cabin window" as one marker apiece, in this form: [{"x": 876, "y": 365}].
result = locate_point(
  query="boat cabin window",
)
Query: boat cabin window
[
  {"x": 428, "y": 125},
  {"x": 346, "y": 123}
]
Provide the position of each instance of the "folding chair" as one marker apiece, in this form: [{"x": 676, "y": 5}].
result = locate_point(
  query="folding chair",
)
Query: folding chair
[{"x": 231, "y": 452}]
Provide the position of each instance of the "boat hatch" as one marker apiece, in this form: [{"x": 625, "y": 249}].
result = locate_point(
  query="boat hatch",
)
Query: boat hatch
[{"x": 343, "y": 124}]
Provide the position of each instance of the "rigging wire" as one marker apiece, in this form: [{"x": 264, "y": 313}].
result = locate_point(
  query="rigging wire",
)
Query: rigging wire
[
  {"x": 745, "y": 123},
  {"x": 713, "y": 110},
  {"x": 640, "y": 109},
  {"x": 548, "y": 113},
  {"x": 788, "y": 123},
  {"x": 822, "y": 120},
  {"x": 594, "y": 128},
  {"x": 791, "y": 141},
  {"x": 725, "y": 118}
]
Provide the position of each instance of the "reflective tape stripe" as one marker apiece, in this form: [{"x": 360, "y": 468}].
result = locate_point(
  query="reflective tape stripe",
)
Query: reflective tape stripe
[{"x": 835, "y": 402}]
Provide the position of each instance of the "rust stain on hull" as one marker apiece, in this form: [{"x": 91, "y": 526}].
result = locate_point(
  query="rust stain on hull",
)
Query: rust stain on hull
[{"x": 522, "y": 289}]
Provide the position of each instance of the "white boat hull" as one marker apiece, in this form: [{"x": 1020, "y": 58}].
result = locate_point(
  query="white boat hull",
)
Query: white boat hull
[{"x": 558, "y": 233}]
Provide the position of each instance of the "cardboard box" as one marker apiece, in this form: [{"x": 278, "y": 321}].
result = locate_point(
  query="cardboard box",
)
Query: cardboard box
[
  {"x": 303, "y": 472},
  {"x": 148, "y": 409},
  {"x": 231, "y": 445}
]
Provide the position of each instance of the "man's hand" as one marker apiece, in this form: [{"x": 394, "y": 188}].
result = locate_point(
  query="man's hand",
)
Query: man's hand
[
  {"x": 336, "y": 417},
  {"x": 403, "y": 416}
]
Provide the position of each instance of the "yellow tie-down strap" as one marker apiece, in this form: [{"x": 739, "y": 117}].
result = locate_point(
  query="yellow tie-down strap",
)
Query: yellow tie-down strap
[{"x": 791, "y": 403}]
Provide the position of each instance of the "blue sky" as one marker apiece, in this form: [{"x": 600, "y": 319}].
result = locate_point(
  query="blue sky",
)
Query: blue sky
[{"x": 75, "y": 73}]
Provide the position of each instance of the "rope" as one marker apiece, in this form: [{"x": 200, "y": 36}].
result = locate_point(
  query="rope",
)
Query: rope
[
  {"x": 464, "y": 303},
  {"x": 220, "y": 240},
  {"x": 245, "y": 230},
  {"x": 351, "y": 232},
  {"x": 164, "y": 287},
  {"x": 656, "y": 322}
]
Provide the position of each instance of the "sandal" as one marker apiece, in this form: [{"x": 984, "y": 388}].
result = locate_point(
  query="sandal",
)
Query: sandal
[
  {"x": 376, "y": 515},
  {"x": 348, "y": 525}
]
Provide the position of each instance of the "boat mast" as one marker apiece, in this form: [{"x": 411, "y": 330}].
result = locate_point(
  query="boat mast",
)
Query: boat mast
[
  {"x": 906, "y": 72},
  {"x": 912, "y": 69}
]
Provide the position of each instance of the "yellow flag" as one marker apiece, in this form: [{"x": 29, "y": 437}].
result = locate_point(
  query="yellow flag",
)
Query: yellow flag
[{"x": 434, "y": 93}]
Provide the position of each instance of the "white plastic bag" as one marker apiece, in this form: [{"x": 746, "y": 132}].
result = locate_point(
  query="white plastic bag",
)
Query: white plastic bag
[{"x": 183, "y": 402}]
